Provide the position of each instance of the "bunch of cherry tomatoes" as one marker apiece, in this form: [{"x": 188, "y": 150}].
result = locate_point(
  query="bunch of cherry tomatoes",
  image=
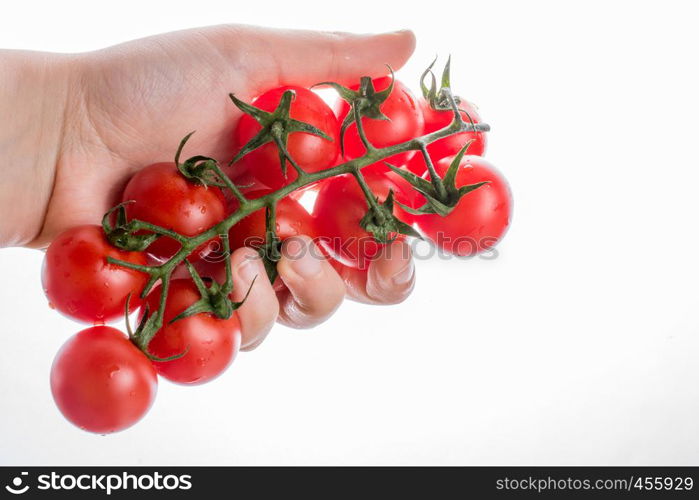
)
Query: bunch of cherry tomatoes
[{"x": 103, "y": 381}]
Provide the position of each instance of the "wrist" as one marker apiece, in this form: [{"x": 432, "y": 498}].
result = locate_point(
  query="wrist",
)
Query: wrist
[{"x": 34, "y": 96}]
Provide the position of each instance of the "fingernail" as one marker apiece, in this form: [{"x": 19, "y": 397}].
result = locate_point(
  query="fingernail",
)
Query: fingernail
[
  {"x": 249, "y": 268},
  {"x": 405, "y": 275},
  {"x": 302, "y": 259}
]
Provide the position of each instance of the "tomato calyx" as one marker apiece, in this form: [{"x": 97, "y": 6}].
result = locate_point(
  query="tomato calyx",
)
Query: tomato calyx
[
  {"x": 276, "y": 127},
  {"x": 441, "y": 195},
  {"x": 383, "y": 225},
  {"x": 214, "y": 297},
  {"x": 199, "y": 169},
  {"x": 365, "y": 102},
  {"x": 123, "y": 234},
  {"x": 440, "y": 99},
  {"x": 204, "y": 170}
]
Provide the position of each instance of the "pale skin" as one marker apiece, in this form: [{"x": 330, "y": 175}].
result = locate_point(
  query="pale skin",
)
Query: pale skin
[{"x": 74, "y": 129}]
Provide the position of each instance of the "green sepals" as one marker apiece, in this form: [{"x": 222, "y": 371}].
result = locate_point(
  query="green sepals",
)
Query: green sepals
[
  {"x": 123, "y": 234},
  {"x": 276, "y": 127},
  {"x": 436, "y": 203},
  {"x": 440, "y": 98},
  {"x": 214, "y": 299},
  {"x": 365, "y": 102},
  {"x": 198, "y": 169},
  {"x": 384, "y": 223},
  {"x": 446, "y": 84},
  {"x": 416, "y": 181},
  {"x": 430, "y": 93}
]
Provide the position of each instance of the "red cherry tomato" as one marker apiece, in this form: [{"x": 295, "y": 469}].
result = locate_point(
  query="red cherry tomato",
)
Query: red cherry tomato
[
  {"x": 450, "y": 145},
  {"x": 404, "y": 122},
  {"x": 311, "y": 152},
  {"x": 210, "y": 343},
  {"x": 164, "y": 197},
  {"x": 292, "y": 220},
  {"x": 80, "y": 283},
  {"x": 338, "y": 210},
  {"x": 101, "y": 382},
  {"x": 481, "y": 217}
]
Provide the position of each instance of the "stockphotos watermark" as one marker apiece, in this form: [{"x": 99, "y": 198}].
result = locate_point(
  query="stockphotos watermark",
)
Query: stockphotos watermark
[
  {"x": 364, "y": 249},
  {"x": 105, "y": 483}
]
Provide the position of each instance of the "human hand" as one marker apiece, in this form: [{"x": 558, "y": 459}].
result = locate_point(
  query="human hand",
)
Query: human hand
[{"x": 83, "y": 124}]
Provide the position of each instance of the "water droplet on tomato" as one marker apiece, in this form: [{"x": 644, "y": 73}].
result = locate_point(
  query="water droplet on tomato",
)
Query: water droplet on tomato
[
  {"x": 113, "y": 371},
  {"x": 202, "y": 209}
]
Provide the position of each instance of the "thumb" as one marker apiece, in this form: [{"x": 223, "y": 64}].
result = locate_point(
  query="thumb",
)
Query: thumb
[{"x": 271, "y": 57}]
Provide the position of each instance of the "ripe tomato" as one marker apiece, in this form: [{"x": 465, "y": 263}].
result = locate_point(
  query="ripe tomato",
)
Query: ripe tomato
[
  {"x": 404, "y": 122},
  {"x": 292, "y": 220},
  {"x": 450, "y": 145},
  {"x": 210, "y": 343},
  {"x": 101, "y": 382},
  {"x": 311, "y": 152},
  {"x": 339, "y": 208},
  {"x": 80, "y": 283},
  {"x": 164, "y": 197},
  {"x": 480, "y": 218}
]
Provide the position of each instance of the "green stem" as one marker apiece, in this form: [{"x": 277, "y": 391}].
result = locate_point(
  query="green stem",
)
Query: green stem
[
  {"x": 360, "y": 129},
  {"x": 436, "y": 180},
  {"x": 164, "y": 289},
  {"x": 147, "y": 226},
  {"x": 369, "y": 195},
  {"x": 280, "y": 144},
  {"x": 228, "y": 285},
  {"x": 271, "y": 230},
  {"x": 349, "y": 167},
  {"x": 229, "y": 184}
]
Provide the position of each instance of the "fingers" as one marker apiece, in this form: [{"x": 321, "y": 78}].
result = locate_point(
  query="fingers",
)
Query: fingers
[
  {"x": 389, "y": 279},
  {"x": 313, "y": 289},
  {"x": 259, "y": 312},
  {"x": 273, "y": 57}
]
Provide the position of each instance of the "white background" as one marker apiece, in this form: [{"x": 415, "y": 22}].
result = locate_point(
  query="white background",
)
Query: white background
[{"x": 578, "y": 345}]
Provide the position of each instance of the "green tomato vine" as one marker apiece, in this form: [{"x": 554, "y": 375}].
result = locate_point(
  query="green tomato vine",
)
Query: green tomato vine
[{"x": 440, "y": 192}]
